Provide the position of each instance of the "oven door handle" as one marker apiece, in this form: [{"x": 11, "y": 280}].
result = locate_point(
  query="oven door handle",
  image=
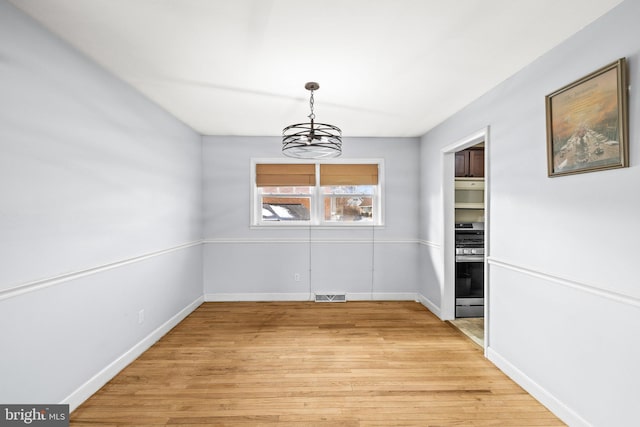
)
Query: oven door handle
[{"x": 469, "y": 258}]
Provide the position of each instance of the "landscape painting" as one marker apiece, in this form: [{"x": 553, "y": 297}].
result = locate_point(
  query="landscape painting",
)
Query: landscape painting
[{"x": 587, "y": 123}]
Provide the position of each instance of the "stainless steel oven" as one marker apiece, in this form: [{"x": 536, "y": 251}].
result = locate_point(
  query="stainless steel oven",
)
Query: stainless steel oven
[{"x": 469, "y": 269}]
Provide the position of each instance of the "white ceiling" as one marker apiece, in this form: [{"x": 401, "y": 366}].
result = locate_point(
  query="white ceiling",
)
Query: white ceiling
[{"x": 385, "y": 67}]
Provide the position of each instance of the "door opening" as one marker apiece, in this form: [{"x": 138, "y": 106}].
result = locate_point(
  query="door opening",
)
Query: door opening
[{"x": 465, "y": 290}]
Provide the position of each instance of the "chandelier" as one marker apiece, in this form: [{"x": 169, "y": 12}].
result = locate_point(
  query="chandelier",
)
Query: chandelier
[{"x": 311, "y": 140}]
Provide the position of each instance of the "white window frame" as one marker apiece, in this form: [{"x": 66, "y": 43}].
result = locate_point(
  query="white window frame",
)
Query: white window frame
[{"x": 317, "y": 198}]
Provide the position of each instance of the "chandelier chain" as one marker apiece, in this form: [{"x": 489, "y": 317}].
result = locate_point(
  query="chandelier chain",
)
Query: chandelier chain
[{"x": 312, "y": 115}]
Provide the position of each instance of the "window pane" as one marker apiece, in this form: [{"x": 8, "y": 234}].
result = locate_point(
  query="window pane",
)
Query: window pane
[
  {"x": 348, "y": 189},
  {"x": 285, "y": 208},
  {"x": 268, "y": 214},
  {"x": 348, "y": 208},
  {"x": 285, "y": 190}
]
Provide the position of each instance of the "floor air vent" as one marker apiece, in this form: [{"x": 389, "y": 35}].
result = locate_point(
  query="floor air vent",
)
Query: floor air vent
[{"x": 331, "y": 298}]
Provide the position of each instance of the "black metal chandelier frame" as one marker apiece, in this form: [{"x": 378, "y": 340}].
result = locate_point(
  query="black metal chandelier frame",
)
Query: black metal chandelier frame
[{"x": 312, "y": 140}]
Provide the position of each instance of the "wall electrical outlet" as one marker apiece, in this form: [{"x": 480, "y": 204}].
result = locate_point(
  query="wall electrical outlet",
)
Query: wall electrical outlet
[
  {"x": 296, "y": 277},
  {"x": 141, "y": 317}
]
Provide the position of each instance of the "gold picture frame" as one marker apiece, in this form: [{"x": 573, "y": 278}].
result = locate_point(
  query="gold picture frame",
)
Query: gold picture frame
[{"x": 587, "y": 123}]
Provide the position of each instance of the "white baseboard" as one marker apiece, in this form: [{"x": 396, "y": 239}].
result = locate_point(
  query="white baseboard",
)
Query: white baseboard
[
  {"x": 382, "y": 296},
  {"x": 260, "y": 297},
  {"x": 541, "y": 394},
  {"x": 430, "y": 305},
  {"x": 94, "y": 384}
]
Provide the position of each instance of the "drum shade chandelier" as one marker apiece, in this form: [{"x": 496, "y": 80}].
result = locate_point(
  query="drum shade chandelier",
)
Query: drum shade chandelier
[{"x": 311, "y": 140}]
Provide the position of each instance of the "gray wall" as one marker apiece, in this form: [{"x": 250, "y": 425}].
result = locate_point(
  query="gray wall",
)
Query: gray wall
[
  {"x": 564, "y": 300},
  {"x": 100, "y": 207},
  {"x": 241, "y": 262}
]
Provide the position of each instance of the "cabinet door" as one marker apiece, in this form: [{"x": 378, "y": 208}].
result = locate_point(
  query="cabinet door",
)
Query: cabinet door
[
  {"x": 462, "y": 163},
  {"x": 470, "y": 163},
  {"x": 476, "y": 163}
]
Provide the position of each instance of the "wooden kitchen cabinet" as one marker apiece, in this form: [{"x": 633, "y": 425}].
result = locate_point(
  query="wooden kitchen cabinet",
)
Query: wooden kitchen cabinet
[{"x": 470, "y": 163}]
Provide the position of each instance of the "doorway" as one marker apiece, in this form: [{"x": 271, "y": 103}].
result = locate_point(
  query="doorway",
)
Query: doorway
[{"x": 469, "y": 213}]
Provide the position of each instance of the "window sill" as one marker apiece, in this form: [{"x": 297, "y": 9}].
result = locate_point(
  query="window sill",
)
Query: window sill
[{"x": 316, "y": 226}]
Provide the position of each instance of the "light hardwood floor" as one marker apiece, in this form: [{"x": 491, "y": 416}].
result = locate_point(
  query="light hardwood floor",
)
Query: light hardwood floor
[{"x": 312, "y": 364}]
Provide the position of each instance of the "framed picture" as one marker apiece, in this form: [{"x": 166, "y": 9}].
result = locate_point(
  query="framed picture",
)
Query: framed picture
[{"x": 587, "y": 127}]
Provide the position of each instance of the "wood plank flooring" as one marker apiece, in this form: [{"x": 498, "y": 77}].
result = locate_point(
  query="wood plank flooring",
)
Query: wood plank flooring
[{"x": 310, "y": 364}]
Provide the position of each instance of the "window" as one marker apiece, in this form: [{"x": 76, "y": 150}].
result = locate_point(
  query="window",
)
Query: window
[
  {"x": 285, "y": 191},
  {"x": 317, "y": 194},
  {"x": 348, "y": 192}
]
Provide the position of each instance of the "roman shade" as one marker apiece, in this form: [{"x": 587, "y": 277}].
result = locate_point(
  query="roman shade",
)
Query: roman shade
[
  {"x": 348, "y": 174},
  {"x": 285, "y": 174}
]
